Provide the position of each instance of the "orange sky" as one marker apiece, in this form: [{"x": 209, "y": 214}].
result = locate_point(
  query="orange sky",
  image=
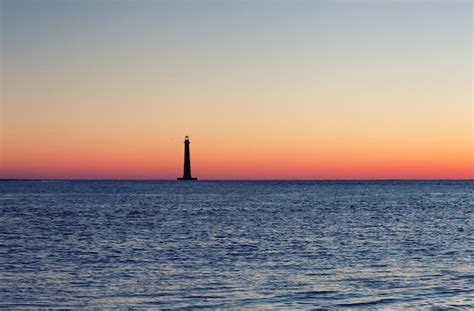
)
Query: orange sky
[{"x": 289, "y": 90}]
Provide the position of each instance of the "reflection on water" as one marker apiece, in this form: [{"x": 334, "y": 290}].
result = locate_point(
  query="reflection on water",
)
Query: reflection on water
[{"x": 237, "y": 244}]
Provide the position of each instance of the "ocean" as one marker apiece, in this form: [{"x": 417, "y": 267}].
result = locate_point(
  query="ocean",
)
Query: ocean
[{"x": 237, "y": 244}]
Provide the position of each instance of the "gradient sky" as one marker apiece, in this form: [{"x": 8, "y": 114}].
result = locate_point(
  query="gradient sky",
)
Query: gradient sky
[{"x": 265, "y": 89}]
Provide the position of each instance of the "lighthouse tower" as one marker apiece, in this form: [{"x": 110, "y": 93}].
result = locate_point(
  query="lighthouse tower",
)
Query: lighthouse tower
[{"x": 187, "y": 162}]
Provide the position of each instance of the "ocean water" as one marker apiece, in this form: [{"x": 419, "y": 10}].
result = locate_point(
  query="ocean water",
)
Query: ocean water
[{"x": 242, "y": 244}]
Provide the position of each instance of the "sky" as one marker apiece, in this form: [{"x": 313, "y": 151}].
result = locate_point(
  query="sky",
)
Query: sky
[{"x": 265, "y": 89}]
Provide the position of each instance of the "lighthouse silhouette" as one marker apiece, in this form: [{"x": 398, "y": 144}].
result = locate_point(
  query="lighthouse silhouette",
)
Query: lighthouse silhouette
[{"x": 187, "y": 162}]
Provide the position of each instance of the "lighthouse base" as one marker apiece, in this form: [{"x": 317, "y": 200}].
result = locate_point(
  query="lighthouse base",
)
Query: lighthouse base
[{"x": 187, "y": 178}]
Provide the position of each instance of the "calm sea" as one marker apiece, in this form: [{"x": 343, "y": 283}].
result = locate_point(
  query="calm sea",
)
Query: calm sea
[{"x": 242, "y": 244}]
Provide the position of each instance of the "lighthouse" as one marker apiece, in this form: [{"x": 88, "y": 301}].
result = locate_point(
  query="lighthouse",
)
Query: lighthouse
[{"x": 187, "y": 162}]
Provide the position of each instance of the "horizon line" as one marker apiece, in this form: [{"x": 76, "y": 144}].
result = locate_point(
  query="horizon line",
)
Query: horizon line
[{"x": 163, "y": 179}]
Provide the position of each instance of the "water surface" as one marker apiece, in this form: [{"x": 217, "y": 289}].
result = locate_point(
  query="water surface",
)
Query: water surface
[{"x": 243, "y": 244}]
